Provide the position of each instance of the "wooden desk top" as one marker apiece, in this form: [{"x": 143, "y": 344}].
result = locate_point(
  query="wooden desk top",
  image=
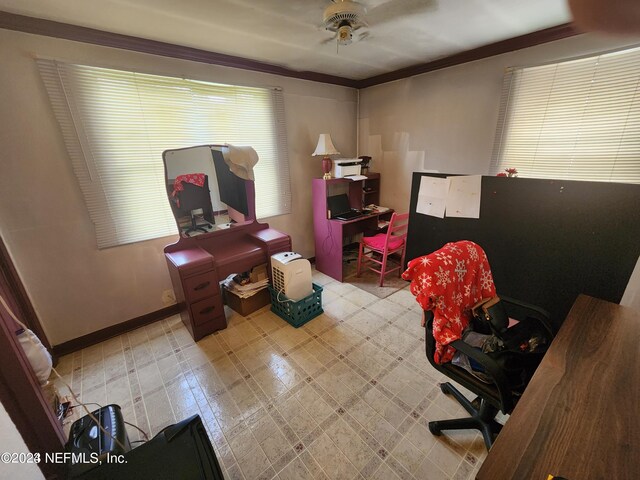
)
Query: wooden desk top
[{"x": 579, "y": 418}]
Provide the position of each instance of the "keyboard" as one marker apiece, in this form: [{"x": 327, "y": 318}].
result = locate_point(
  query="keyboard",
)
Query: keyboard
[{"x": 348, "y": 215}]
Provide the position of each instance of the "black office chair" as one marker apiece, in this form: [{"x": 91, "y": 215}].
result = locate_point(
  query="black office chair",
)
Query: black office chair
[
  {"x": 508, "y": 371},
  {"x": 450, "y": 284},
  {"x": 191, "y": 199}
]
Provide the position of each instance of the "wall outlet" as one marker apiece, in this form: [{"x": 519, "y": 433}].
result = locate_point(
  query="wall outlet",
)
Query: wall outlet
[{"x": 168, "y": 298}]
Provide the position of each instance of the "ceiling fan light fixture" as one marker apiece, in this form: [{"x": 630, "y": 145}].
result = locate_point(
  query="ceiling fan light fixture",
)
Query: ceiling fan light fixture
[{"x": 345, "y": 35}]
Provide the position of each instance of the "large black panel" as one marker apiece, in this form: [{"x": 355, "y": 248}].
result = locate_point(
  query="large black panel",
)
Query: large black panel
[
  {"x": 231, "y": 187},
  {"x": 547, "y": 240}
]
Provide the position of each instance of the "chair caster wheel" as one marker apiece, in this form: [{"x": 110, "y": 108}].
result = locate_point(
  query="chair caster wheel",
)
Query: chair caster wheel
[{"x": 433, "y": 428}]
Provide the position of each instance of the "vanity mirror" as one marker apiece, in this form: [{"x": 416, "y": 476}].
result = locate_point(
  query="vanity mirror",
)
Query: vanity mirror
[
  {"x": 212, "y": 194},
  {"x": 205, "y": 196}
]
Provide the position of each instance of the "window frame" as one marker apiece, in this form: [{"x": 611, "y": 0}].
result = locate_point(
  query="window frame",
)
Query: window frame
[
  {"x": 67, "y": 85},
  {"x": 520, "y": 95}
]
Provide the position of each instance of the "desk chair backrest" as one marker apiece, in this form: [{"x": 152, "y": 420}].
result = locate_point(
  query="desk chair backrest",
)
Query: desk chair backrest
[
  {"x": 397, "y": 229},
  {"x": 193, "y": 197},
  {"x": 393, "y": 242}
]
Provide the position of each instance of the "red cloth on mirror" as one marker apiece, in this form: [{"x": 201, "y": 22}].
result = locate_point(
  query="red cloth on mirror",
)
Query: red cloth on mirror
[{"x": 196, "y": 179}]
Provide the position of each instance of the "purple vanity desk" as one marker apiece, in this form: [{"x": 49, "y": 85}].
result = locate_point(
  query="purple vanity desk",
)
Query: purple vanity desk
[{"x": 197, "y": 264}]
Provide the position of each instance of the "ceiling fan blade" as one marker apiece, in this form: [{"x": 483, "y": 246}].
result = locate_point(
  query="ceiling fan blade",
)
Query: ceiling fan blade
[
  {"x": 394, "y": 9},
  {"x": 364, "y": 35},
  {"x": 328, "y": 40}
]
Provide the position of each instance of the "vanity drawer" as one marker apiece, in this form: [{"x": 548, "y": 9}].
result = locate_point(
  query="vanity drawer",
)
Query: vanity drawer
[
  {"x": 191, "y": 261},
  {"x": 207, "y": 310},
  {"x": 201, "y": 286},
  {"x": 204, "y": 329}
]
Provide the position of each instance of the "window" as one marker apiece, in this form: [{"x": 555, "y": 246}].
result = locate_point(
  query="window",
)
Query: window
[
  {"x": 576, "y": 120},
  {"x": 116, "y": 124}
]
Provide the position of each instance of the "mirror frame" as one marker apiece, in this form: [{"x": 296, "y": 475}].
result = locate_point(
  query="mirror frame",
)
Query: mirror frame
[{"x": 237, "y": 218}]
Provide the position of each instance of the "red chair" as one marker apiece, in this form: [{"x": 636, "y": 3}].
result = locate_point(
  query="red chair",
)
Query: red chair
[{"x": 383, "y": 245}]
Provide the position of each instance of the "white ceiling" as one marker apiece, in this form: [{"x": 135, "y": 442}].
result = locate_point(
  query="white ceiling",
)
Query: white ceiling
[{"x": 288, "y": 32}]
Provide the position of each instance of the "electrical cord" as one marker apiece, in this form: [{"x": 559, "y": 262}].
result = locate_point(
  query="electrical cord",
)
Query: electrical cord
[
  {"x": 73, "y": 395},
  {"x": 71, "y": 407},
  {"x": 282, "y": 301},
  {"x": 88, "y": 403},
  {"x": 329, "y": 238},
  {"x": 146, "y": 437},
  {"x": 287, "y": 300}
]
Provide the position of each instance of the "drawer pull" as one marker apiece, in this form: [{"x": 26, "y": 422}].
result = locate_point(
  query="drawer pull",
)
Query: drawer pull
[
  {"x": 204, "y": 311},
  {"x": 202, "y": 285}
]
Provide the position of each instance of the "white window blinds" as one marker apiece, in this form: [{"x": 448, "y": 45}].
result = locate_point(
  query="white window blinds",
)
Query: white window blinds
[
  {"x": 577, "y": 120},
  {"x": 116, "y": 124}
]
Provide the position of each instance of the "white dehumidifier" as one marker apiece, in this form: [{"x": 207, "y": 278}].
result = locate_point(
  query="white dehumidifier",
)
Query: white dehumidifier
[{"x": 291, "y": 275}]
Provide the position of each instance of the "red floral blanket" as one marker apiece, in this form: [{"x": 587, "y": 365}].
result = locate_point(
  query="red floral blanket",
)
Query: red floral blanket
[
  {"x": 196, "y": 179},
  {"x": 449, "y": 282}
]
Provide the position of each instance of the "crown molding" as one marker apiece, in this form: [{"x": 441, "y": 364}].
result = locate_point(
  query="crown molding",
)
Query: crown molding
[
  {"x": 504, "y": 46},
  {"x": 66, "y": 31},
  {"x": 50, "y": 28}
]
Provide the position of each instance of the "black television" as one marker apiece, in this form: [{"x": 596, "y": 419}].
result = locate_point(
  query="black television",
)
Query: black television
[
  {"x": 232, "y": 188},
  {"x": 181, "y": 451}
]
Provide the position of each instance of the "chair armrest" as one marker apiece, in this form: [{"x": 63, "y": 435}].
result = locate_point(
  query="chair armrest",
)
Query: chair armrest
[
  {"x": 502, "y": 393},
  {"x": 492, "y": 369},
  {"x": 521, "y": 311}
]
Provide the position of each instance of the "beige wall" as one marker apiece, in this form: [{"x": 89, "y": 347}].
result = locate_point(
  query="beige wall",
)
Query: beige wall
[
  {"x": 446, "y": 120},
  {"x": 75, "y": 288},
  {"x": 12, "y": 442}
]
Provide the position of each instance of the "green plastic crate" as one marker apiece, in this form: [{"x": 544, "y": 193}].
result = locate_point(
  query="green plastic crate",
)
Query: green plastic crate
[{"x": 300, "y": 312}]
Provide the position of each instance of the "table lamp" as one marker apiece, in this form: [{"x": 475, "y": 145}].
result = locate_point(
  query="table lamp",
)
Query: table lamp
[{"x": 325, "y": 148}]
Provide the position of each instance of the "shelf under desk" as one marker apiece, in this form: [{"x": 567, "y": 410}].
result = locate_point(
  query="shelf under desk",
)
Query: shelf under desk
[
  {"x": 329, "y": 234},
  {"x": 332, "y": 233}
]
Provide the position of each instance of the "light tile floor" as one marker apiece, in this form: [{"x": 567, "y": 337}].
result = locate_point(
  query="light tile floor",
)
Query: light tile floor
[{"x": 346, "y": 396}]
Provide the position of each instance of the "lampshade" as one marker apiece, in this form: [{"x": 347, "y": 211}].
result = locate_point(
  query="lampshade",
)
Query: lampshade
[{"x": 325, "y": 146}]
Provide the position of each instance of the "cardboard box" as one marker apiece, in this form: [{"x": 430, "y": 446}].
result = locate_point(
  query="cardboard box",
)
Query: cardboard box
[
  {"x": 258, "y": 273},
  {"x": 246, "y": 306}
]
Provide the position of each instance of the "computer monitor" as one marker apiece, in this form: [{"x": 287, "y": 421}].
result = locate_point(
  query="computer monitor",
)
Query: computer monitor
[{"x": 338, "y": 204}]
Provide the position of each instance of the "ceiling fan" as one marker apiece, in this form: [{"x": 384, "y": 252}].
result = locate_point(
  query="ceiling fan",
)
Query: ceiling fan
[{"x": 344, "y": 17}]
